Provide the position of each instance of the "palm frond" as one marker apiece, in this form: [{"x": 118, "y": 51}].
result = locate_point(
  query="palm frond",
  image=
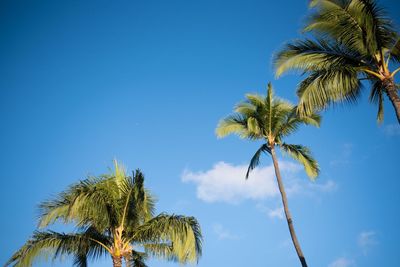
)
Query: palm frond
[
  {"x": 85, "y": 202},
  {"x": 137, "y": 259},
  {"x": 49, "y": 244},
  {"x": 233, "y": 124},
  {"x": 183, "y": 233},
  {"x": 302, "y": 154},
  {"x": 323, "y": 88},
  {"x": 143, "y": 202},
  {"x": 313, "y": 55},
  {"x": 378, "y": 28},
  {"x": 162, "y": 251},
  {"x": 294, "y": 120},
  {"x": 333, "y": 20},
  {"x": 395, "y": 51},
  {"x": 376, "y": 97},
  {"x": 255, "y": 160}
]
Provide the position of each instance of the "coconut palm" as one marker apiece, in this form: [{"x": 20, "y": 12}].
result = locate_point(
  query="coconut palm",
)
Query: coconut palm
[
  {"x": 271, "y": 119},
  {"x": 114, "y": 215},
  {"x": 352, "y": 41}
]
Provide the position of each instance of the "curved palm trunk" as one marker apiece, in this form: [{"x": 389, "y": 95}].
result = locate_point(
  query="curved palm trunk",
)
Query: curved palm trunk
[
  {"x": 287, "y": 212},
  {"x": 117, "y": 261},
  {"x": 391, "y": 92}
]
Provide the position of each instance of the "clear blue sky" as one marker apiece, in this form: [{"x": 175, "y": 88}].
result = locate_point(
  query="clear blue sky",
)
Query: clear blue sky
[{"x": 146, "y": 82}]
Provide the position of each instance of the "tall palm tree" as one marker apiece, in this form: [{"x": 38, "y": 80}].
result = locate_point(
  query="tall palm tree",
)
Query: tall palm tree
[
  {"x": 114, "y": 215},
  {"x": 352, "y": 40},
  {"x": 271, "y": 119}
]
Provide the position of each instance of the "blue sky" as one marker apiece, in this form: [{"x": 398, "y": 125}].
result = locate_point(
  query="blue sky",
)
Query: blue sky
[{"x": 146, "y": 82}]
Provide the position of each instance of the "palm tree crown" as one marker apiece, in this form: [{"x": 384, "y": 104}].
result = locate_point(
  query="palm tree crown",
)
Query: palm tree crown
[
  {"x": 114, "y": 214},
  {"x": 353, "y": 40},
  {"x": 270, "y": 119}
]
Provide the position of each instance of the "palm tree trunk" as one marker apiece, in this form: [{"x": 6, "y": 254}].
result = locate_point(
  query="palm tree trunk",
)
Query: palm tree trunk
[
  {"x": 286, "y": 209},
  {"x": 391, "y": 92},
  {"x": 117, "y": 261}
]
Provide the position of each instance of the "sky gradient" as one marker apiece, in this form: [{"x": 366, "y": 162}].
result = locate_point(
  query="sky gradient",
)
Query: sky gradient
[{"x": 146, "y": 82}]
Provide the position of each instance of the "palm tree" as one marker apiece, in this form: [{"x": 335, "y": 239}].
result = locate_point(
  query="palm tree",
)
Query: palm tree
[
  {"x": 270, "y": 119},
  {"x": 353, "y": 40},
  {"x": 114, "y": 215}
]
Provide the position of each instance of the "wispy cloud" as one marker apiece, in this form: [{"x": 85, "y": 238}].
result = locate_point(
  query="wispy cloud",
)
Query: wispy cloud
[
  {"x": 366, "y": 240},
  {"x": 223, "y": 233},
  {"x": 305, "y": 187},
  {"x": 391, "y": 129},
  {"x": 328, "y": 186},
  {"x": 344, "y": 156},
  {"x": 342, "y": 262},
  {"x": 276, "y": 213}
]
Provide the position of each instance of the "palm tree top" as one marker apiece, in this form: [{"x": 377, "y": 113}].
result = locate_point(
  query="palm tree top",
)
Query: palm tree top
[
  {"x": 351, "y": 41},
  {"x": 113, "y": 214},
  {"x": 270, "y": 119}
]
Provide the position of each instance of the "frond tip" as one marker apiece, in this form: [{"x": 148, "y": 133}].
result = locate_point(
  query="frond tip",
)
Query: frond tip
[{"x": 302, "y": 154}]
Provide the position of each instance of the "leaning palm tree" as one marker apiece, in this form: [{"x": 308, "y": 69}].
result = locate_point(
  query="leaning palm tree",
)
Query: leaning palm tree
[
  {"x": 352, "y": 41},
  {"x": 114, "y": 215},
  {"x": 271, "y": 119}
]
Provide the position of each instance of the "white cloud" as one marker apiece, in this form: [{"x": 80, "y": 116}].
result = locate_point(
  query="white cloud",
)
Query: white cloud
[
  {"x": 225, "y": 182},
  {"x": 392, "y": 129},
  {"x": 342, "y": 262},
  {"x": 223, "y": 233},
  {"x": 366, "y": 240}
]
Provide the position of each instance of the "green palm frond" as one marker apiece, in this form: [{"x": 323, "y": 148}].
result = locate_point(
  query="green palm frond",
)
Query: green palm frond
[
  {"x": 293, "y": 122},
  {"x": 183, "y": 233},
  {"x": 80, "y": 260},
  {"x": 323, "y": 88},
  {"x": 302, "y": 154},
  {"x": 395, "y": 51},
  {"x": 162, "y": 251},
  {"x": 84, "y": 203},
  {"x": 359, "y": 24},
  {"x": 376, "y": 97},
  {"x": 137, "y": 259},
  {"x": 143, "y": 199},
  {"x": 233, "y": 124},
  {"x": 313, "y": 55},
  {"x": 255, "y": 160},
  {"x": 51, "y": 244},
  {"x": 247, "y": 109},
  {"x": 335, "y": 20},
  {"x": 255, "y": 100},
  {"x": 377, "y": 26}
]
